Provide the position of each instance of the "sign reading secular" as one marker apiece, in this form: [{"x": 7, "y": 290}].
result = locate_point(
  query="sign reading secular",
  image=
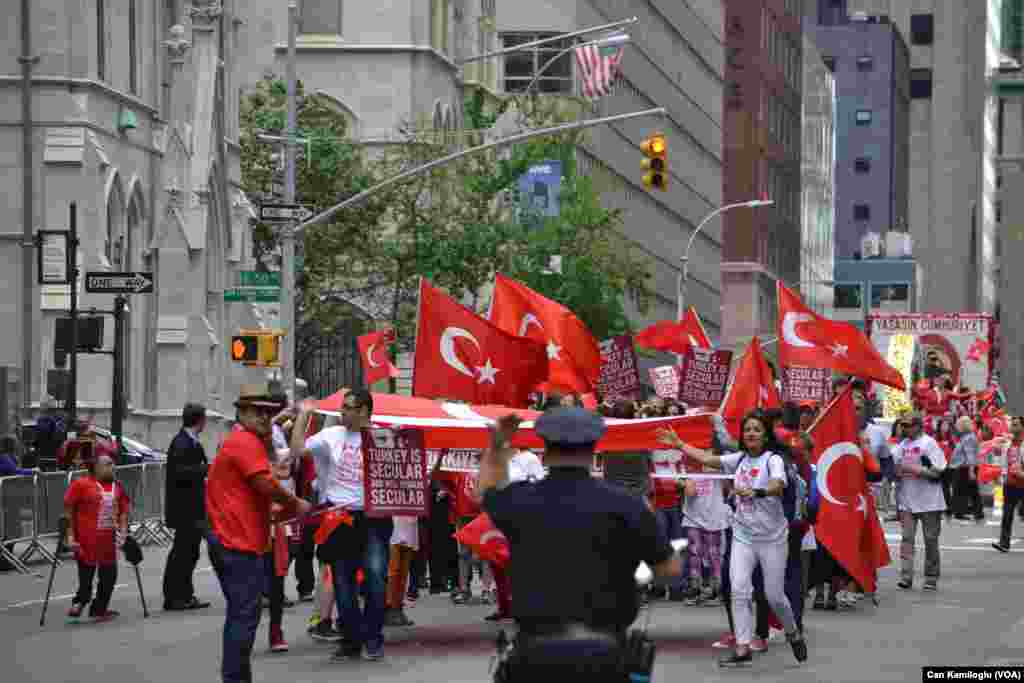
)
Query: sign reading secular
[
  {"x": 395, "y": 473},
  {"x": 620, "y": 377},
  {"x": 703, "y": 376},
  {"x": 119, "y": 283},
  {"x": 806, "y": 384}
]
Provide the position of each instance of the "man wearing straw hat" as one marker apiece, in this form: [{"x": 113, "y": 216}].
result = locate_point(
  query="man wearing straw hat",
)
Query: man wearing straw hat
[{"x": 239, "y": 491}]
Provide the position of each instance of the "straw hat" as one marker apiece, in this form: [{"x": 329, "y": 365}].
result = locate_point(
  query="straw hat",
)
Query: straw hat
[{"x": 262, "y": 395}]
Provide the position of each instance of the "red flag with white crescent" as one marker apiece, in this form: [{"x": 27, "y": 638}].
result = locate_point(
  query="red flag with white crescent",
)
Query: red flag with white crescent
[
  {"x": 847, "y": 522},
  {"x": 373, "y": 352}
]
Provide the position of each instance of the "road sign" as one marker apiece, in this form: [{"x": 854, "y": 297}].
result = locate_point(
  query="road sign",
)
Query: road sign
[
  {"x": 256, "y": 278},
  {"x": 263, "y": 295},
  {"x": 283, "y": 212},
  {"x": 119, "y": 283}
]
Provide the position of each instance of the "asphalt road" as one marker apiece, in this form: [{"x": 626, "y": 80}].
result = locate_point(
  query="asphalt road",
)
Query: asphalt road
[{"x": 976, "y": 618}]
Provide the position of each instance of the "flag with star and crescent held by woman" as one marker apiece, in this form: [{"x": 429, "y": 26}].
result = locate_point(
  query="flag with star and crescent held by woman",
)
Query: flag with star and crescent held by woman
[
  {"x": 460, "y": 355},
  {"x": 373, "y": 352}
]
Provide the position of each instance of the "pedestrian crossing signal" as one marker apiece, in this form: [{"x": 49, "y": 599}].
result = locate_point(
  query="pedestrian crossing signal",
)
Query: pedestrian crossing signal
[
  {"x": 245, "y": 348},
  {"x": 257, "y": 348},
  {"x": 655, "y": 162}
]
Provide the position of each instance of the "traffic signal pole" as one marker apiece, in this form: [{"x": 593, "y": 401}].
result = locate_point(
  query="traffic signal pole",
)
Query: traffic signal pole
[{"x": 288, "y": 294}]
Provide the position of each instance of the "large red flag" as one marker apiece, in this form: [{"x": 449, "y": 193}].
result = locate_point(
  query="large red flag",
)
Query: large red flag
[
  {"x": 459, "y": 355},
  {"x": 373, "y": 351},
  {"x": 676, "y": 337},
  {"x": 752, "y": 387},
  {"x": 573, "y": 354},
  {"x": 847, "y": 522},
  {"x": 812, "y": 341}
]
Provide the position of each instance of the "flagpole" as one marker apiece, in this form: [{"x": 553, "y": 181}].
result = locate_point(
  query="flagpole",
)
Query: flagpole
[
  {"x": 326, "y": 215},
  {"x": 419, "y": 305}
]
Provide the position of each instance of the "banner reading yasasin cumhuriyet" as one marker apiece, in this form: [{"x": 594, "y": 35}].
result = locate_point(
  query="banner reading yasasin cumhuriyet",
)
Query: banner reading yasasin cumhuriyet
[{"x": 955, "y": 344}]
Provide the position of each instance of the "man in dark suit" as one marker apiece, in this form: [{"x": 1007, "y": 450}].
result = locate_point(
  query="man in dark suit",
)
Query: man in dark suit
[{"x": 185, "y": 509}]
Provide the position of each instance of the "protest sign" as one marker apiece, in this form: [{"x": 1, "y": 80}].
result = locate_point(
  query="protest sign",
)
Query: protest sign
[
  {"x": 620, "y": 378},
  {"x": 703, "y": 376},
  {"x": 395, "y": 474},
  {"x": 806, "y": 384},
  {"x": 455, "y": 459}
]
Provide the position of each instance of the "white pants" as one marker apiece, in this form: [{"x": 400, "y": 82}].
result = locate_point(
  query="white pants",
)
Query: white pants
[{"x": 772, "y": 558}]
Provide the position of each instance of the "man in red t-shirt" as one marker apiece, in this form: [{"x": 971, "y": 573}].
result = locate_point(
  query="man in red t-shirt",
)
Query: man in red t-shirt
[
  {"x": 97, "y": 509},
  {"x": 239, "y": 491}
]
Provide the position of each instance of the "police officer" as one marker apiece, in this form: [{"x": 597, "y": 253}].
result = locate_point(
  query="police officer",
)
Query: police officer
[{"x": 577, "y": 543}]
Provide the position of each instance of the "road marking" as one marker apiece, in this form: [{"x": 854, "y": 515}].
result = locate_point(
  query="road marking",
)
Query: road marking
[
  {"x": 59, "y": 598},
  {"x": 953, "y": 547}
]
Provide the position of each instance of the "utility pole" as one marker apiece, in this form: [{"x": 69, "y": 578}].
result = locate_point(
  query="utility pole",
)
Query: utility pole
[
  {"x": 28, "y": 294},
  {"x": 288, "y": 294},
  {"x": 72, "y": 392}
]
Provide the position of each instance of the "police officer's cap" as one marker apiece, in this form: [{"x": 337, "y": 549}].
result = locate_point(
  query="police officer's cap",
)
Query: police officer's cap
[{"x": 570, "y": 427}]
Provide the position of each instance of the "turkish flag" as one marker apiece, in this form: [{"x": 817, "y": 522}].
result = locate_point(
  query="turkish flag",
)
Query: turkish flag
[
  {"x": 459, "y": 355},
  {"x": 373, "y": 351},
  {"x": 809, "y": 340},
  {"x": 485, "y": 540},
  {"x": 573, "y": 354},
  {"x": 752, "y": 387},
  {"x": 676, "y": 337},
  {"x": 847, "y": 522}
]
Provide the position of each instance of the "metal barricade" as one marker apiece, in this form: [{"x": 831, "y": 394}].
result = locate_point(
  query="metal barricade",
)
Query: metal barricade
[
  {"x": 52, "y": 486},
  {"x": 130, "y": 477},
  {"x": 19, "y": 498},
  {"x": 152, "y": 527}
]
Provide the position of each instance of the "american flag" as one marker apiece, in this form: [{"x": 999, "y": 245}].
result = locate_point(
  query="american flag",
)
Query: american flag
[{"x": 598, "y": 69}]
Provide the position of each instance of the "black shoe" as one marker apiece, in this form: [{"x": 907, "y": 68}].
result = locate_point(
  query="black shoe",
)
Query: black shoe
[
  {"x": 1001, "y": 548},
  {"x": 819, "y": 602},
  {"x": 181, "y": 606},
  {"x": 306, "y": 597},
  {"x": 799, "y": 646},
  {"x": 346, "y": 652},
  {"x": 325, "y": 632},
  {"x": 905, "y": 585},
  {"x": 676, "y": 595},
  {"x": 735, "y": 661}
]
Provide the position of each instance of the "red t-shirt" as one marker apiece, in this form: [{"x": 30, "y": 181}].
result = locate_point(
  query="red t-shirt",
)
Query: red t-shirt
[
  {"x": 96, "y": 537},
  {"x": 460, "y": 485},
  {"x": 239, "y": 515}
]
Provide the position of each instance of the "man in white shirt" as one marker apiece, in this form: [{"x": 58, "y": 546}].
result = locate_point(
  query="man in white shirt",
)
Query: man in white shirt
[
  {"x": 338, "y": 453},
  {"x": 920, "y": 463}
]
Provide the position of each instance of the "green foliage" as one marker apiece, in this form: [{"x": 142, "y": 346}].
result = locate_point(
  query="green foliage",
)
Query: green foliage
[{"x": 449, "y": 225}]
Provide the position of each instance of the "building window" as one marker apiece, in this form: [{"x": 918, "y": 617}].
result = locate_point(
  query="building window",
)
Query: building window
[
  {"x": 101, "y": 40},
  {"x": 861, "y": 212},
  {"x": 320, "y": 17},
  {"x": 920, "y": 84},
  {"x": 864, "y": 117},
  {"x": 521, "y": 67},
  {"x": 848, "y": 296},
  {"x": 830, "y": 63},
  {"x": 133, "y": 52},
  {"x": 862, "y": 165},
  {"x": 890, "y": 295},
  {"x": 922, "y": 29},
  {"x": 439, "y": 25},
  {"x": 865, "y": 63}
]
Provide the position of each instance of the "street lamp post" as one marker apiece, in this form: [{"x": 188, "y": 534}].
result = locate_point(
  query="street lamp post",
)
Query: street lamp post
[{"x": 684, "y": 272}]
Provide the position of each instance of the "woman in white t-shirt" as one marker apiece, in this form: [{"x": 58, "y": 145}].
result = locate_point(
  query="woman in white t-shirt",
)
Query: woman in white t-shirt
[{"x": 760, "y": 531}]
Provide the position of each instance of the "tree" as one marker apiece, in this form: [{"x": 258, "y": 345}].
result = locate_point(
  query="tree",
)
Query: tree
[{"x": 452, "y": 225}]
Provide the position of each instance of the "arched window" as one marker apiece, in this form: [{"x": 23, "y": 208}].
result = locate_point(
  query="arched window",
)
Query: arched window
[{"x": 113, "y": 239}]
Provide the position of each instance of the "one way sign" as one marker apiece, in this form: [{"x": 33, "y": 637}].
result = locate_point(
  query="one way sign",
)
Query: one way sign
[
  {"x": 119, "y": 283},
  {"x": 274, "y": 213}
]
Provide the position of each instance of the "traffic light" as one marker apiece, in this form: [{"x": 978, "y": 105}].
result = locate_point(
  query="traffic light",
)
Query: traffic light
[
  {"x": 259, "y": 348},
  {"x": 655, "y": 162},
  {"x": 245, "y": 348}
]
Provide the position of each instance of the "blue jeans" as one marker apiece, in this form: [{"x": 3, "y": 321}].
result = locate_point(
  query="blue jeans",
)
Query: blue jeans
[
  {"x": 365, "y": 545},
  {"x": 243, "y": 579}
]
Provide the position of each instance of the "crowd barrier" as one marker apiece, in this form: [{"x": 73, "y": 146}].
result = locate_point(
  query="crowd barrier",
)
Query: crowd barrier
[{"x": 31, "y": 507}]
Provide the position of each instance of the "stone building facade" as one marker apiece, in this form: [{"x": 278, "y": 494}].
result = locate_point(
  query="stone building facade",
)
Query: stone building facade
[{"x": 134, "y": 117}]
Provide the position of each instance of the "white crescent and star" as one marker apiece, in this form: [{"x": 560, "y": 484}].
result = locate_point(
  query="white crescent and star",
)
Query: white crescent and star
[
  {"x": 487, "y": 371},
  {"x": 789, "y": 334},
  {"x": 553, "y": 349},
  {"x": 832, "y": 455},
  {"x": 369, "y": 356},
  {"x": 839, "y": 350},
  {"x": 493, "y": 534}
]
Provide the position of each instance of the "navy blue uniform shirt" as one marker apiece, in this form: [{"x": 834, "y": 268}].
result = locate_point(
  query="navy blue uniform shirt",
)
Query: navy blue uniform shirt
[{"x": 576, "y": 543}]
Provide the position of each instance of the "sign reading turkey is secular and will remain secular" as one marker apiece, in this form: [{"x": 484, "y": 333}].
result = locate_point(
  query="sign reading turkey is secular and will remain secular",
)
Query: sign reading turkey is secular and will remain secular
[
  {"x": 620, "y": 377},
  {"x": 396, "y": 478},
  {"x": 703, "y": 375}
]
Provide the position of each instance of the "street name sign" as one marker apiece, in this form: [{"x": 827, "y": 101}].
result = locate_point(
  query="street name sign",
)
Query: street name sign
[
  {"x": 256, "y": 278},
  {"x": 119, "y": 283},
  {"x": 272, "y": 212},
  {"x": 258, "y": 295}
]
